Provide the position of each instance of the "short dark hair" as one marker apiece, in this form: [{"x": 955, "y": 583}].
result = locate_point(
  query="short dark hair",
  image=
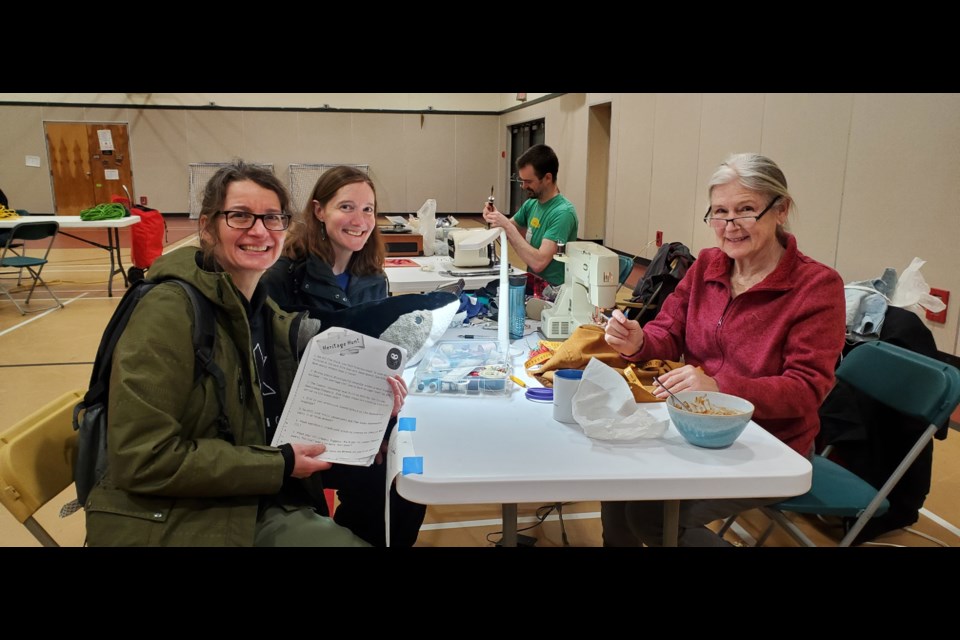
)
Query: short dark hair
[
  {"x": 542, "y": 159},
  {"x": 215, "y": 193}
]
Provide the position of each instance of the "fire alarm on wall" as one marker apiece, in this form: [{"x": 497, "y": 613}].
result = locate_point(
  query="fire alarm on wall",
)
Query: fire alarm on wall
[{"x": 942, "y": 315}]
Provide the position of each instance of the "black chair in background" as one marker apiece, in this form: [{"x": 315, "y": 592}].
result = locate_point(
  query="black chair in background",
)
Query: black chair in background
[
  {"x": 30, "y": 231},
  {"x": 16, "y": 247}
]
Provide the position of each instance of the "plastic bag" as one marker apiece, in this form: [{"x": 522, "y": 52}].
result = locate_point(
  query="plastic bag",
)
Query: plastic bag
[
  {"x": 427, "y": 215},
  {"x": 913, "y": 291}
]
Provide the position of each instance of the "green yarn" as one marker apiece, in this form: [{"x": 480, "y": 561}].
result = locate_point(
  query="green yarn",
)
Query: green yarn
[{"x": 107, "y": 211}]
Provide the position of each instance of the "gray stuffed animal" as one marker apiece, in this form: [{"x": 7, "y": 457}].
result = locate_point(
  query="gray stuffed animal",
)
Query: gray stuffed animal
[{"x": 414, "y": 322}]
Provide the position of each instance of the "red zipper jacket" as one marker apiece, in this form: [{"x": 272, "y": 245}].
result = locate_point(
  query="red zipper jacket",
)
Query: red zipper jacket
[{"x": 776, "y": 345}]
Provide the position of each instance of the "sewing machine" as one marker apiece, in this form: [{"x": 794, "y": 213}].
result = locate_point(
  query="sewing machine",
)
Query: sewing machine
[
  {"x": 591, "y": 279},
  {"x": 472, "y": 247},
  {"x": 397, "y": 225}
]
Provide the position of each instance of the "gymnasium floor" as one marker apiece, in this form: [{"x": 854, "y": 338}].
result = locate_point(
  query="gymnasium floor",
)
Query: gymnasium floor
[{"x": 49, "y": 353}]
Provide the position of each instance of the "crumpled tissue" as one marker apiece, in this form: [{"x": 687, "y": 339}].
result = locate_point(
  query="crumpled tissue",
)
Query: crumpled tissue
[
  {"x": 605, "y": 409},
  {"x": 913, "y": 291}
]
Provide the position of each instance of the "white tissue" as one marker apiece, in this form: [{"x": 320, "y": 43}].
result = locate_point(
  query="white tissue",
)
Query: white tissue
[
  {"x": 604, "y": 407},
  {"x": 912, "y": 290}
]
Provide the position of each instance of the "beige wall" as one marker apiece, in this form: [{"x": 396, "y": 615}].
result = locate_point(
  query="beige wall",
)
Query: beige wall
[{"x": 412, "y": 157}]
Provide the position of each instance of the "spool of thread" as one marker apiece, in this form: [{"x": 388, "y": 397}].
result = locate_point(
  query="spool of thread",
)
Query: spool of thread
[{"x": 492, "y": 379}]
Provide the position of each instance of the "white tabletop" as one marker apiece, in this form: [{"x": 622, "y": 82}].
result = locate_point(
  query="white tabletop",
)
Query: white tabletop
[
  {"x": 510, "y": 450},
  {"x": 416, "y": 279},
  {"x": 74, "y": 222}
]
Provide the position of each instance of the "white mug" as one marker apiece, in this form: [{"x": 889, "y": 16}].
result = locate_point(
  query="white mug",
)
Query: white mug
[{"x": 565, "y": 385}]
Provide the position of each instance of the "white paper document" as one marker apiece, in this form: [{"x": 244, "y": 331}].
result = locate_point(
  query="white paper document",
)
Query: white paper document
[
  {"x": 341, "y": 397},
  {"x": 105, "y": 136}
]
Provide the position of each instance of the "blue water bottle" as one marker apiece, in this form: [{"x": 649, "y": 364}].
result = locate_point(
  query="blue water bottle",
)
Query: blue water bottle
[{"x": 518, "y": 310}]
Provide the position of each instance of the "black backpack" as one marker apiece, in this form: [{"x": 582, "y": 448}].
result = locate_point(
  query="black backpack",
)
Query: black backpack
[
  {"x": 91, "y": 460},
  {"x": 661, "y": 277}
]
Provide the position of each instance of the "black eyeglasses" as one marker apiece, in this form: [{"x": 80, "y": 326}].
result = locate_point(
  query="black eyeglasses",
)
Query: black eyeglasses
[
  {"x": 741, "y": 221},
  {"x": 246, "y": 220}
]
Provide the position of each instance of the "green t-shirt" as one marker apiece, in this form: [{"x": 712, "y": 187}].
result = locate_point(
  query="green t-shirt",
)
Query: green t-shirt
[{"x": 555, "y": 220}]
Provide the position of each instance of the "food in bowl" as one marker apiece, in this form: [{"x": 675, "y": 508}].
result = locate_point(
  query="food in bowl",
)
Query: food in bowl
[
  {"x": 715, "y": 421},
  {"x": 702, "y": 404}
]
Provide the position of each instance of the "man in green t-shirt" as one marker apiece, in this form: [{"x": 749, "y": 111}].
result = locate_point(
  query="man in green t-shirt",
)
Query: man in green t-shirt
[{"x": 544, "y": 220}]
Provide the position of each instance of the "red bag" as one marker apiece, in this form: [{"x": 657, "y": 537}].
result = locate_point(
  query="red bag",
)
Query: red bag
[{"x": 147, "y": 236}]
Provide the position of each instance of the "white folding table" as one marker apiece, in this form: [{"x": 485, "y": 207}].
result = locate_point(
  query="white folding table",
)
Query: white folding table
[
  {"x": 510, "y": 450},
  {"x": 74, "y": 222}
]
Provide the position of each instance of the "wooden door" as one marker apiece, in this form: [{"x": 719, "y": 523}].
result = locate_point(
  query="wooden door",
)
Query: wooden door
[{"x": 89, "y": 163}]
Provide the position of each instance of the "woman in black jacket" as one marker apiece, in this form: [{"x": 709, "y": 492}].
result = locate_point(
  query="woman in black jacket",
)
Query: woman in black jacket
[
  {"x": 334, "y": 260},
  {"x": 334, "y": 256}
]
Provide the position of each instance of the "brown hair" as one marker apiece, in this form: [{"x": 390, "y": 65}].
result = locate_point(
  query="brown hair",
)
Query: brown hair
[
  {"x": 215, "y": 193},
  {"x": 543, "y": 159},
  {"x": 308, "y": 234}
]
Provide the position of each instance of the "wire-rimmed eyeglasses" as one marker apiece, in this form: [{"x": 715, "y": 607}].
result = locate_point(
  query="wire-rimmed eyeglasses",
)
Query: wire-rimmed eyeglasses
[{"x": 718, "y": 222}]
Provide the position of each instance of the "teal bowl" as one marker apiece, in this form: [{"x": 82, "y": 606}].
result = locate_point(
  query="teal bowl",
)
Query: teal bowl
[{"x": 708, "y": 430}]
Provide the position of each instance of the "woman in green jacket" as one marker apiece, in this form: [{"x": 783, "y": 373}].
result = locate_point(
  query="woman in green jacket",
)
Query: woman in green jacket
[{"x": 172, "y": 479}]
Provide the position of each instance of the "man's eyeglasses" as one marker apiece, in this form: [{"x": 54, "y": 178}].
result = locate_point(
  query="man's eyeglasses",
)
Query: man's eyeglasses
[
  {"x": 246, "y": 220},
  {"x": 516, "y": 178},
  {"x": 720, "y": 223}
]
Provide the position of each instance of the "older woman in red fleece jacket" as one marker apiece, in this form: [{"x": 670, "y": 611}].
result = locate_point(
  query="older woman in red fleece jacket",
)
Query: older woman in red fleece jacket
[{"x": 753, "y": 317}]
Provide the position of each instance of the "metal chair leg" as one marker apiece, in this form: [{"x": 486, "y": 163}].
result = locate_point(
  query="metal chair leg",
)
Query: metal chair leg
[
  {"x": 726, "y": 525},
  {"x": 766, "y": 534},
  {"x": 789, "y": 527}
]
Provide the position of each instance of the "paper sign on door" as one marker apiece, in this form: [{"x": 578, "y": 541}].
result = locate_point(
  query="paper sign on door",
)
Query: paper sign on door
[{"x": 106, "y": 139}]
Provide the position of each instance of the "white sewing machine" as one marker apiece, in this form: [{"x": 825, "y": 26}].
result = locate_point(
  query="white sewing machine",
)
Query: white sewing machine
[
  {"x": 591, "y": 279},
  {"x": 472, "y": 247}
]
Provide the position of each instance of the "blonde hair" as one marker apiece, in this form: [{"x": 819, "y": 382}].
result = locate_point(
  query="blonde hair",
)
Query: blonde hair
[{"x": 757, "y": 173}]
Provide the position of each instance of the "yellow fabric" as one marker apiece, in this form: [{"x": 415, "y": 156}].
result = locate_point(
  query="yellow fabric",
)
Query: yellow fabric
[
  {"x": 587, "y": 342},
  {"x": 8, "y": 214},
  {"x": 36, "y": 457}
]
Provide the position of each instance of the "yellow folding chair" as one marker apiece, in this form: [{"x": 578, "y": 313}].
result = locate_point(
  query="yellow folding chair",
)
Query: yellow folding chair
[{"x": 36, "y": 462}]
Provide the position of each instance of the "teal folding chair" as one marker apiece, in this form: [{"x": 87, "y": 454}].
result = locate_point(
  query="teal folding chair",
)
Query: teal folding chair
[
  {"x": 27, "y": 231},
  {"x": 912, "y": 384},
  {"x": 4, "y": 236}
]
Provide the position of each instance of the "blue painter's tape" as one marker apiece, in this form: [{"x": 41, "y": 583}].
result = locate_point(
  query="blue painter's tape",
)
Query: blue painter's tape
[
  {"x": 412, "y": 464},
  {"x": 407, "y": 424}
]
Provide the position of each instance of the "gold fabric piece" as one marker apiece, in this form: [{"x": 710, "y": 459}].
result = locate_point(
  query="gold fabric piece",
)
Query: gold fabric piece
[{"x": 587, "y": 342}]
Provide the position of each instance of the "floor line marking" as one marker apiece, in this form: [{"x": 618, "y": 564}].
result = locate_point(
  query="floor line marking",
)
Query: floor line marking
[
  {"x": 45, "y": 313},
  {"x": 940, "y": 521}
]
